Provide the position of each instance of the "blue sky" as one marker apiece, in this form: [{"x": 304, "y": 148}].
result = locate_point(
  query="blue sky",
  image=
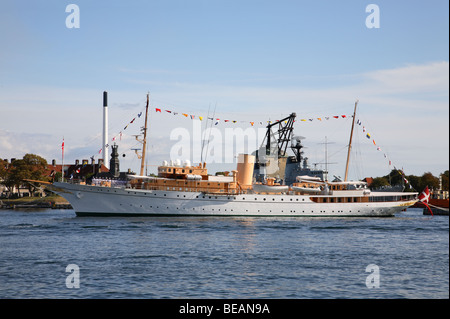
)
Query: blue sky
[{"x": 254, "y": 60}]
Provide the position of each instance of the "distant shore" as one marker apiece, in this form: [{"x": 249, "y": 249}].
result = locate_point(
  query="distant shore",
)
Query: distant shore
[{"x": 53, "y": 201}]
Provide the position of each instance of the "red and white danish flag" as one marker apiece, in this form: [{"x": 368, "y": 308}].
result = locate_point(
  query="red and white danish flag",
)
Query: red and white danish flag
[{"x": 425, "y": 195}]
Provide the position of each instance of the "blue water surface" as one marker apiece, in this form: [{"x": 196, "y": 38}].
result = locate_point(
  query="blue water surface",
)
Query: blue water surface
[{"x": 406, "y": 256}]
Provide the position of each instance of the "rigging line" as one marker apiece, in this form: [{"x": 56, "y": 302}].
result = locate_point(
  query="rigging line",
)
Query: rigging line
[
  {"x": 142, "y": 112},
  {"x": 358, "y": 163},
  {"x": 203, "y": 137},
  {"x": 97, "y": 136},
  {"x": 210, "y": 129},
  {"x": 338, "y": 151}
]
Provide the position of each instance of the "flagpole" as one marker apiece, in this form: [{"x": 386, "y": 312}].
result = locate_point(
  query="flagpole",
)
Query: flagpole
[
  {"x": 144, "y": 145},
  {"x": 350, "y": 143},
  {"x": 62, "y": 166}
]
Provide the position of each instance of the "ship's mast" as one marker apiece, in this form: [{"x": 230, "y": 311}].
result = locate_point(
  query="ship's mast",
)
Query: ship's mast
[
  {"x": 144, "y": 145},
  {"x": 350, "y": 142}
]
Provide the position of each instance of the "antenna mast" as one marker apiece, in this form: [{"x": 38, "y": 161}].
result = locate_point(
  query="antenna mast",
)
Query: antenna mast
[{"x": 350, "y": 142}]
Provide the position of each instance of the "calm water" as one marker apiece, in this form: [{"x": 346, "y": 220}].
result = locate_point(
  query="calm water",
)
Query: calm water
[{"x": 222, "y": 257}]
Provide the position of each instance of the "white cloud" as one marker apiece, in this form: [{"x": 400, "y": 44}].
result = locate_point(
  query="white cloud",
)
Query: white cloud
[{"x": 412, "y": 79}]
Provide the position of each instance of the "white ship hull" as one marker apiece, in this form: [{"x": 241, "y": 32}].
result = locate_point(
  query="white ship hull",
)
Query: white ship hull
[{"x": 109, "y": 201}]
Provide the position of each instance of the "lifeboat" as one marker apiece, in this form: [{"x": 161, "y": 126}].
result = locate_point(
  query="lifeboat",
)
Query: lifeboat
[
  {"x": 270, "y": 187},
  {"x": 312, "y": 190}
]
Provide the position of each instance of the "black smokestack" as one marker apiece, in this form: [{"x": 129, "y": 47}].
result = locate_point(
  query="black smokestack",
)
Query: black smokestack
[{"x": 105, "y": 98}]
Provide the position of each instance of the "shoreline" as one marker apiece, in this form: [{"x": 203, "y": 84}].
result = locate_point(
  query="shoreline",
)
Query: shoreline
[{"x": 54, "y": 202}]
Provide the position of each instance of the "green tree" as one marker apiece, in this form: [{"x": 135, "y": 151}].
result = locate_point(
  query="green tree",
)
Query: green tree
[
  {"x": 379, "y": 182},
  {"x": 31, "y": 166},
  {"x": 37, "y": 166},
  {"x": 415, "y": 182},
  {"x": 429, "y": 180},
  {"x": 395, "y": 177},
  {"x": 4, "y": 174}
]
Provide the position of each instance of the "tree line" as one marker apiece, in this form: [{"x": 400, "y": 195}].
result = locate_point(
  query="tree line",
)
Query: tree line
[
  {"x": 412, "y": 182},
  {"x": 14, "y": 174}
]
